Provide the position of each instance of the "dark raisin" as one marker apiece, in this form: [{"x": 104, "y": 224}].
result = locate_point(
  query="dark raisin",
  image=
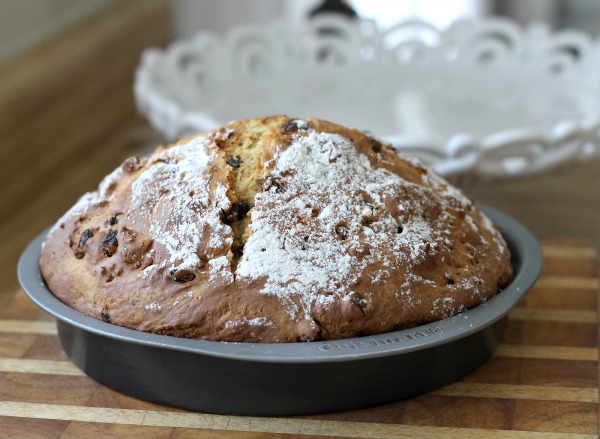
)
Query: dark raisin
[
  {"x": 472, "y": 254},
  {"x": 242, "y": 209},
  {"x": 375, "y": 145},
  {"x": 293, "y": 242},
  {"x": 238, "y": 250},
  {"x": 113, "y": 220},
  {"x": 399, "y": 229},
  {"x": 358, "y": 301},
  {"x": 79, "y": 254},
  {"x": 110, "y": 243},
  {"x": 105, "y": 316},
  {"x": 342, "y": 231},
  {"x": 367, "y": 222},
  {"x": 307, "y": 339},
  {"x": 359, "y": 250},
  {"x": 237, "y": 212},
  {"x": 109, "y": 273},
  {"x": 79, "y": 251},
  {"x": 234, "y": 162},
  {"x": 272, "y": 182},
  {"x": 295, "y": 125},
  {"x": 221, "y": 136},
  {"x": 181, "y": 276},
  {"x": 450, "y": 281},
  {"x": 87, "y": 234},
  {"x": 132, "y": 164}
]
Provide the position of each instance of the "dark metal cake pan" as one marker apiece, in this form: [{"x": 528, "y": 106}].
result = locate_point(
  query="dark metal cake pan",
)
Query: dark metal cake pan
[{"x": 288, "y": 378}]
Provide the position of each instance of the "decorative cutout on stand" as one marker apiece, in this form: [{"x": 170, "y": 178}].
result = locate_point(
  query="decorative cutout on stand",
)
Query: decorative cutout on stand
[{"x": 486, "y": 99}]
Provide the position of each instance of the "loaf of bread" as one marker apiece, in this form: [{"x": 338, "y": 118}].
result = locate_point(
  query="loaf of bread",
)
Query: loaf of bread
[{"x": 274, "y": 230}]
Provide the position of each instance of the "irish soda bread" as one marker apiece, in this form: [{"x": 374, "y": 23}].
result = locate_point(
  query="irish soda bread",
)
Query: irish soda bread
[{"x": 274, "y": 230}]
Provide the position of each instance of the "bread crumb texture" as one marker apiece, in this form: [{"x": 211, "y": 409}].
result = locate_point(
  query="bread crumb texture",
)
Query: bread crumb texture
[{"x": 274, "y": 230}]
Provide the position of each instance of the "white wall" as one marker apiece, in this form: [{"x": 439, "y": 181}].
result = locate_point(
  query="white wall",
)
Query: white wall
[
  {"x": 192, "y": 16},
  {"x": 582, "y": 14},
  {"x": 24, "y": 23}
]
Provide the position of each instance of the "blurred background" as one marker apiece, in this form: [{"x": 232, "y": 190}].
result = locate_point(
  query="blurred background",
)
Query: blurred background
[{"x": 68, "y": 116}]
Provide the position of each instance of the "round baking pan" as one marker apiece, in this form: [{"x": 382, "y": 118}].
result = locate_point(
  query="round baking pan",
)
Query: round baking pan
[{"x": 267, "y": 379}]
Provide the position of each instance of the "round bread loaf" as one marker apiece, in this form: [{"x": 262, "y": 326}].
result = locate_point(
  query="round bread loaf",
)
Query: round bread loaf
[{"x": 274, "y": 230}]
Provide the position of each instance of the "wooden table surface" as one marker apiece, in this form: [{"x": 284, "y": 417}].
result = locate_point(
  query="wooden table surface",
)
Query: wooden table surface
[{"x": 541, "y": 383}]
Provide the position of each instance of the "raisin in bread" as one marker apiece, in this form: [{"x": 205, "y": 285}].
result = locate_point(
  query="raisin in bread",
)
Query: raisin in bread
[{"x": 274, "y": 230}]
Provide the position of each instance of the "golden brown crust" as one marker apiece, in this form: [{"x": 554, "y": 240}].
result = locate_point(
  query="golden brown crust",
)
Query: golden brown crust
[{"x": 274, "y": 230}]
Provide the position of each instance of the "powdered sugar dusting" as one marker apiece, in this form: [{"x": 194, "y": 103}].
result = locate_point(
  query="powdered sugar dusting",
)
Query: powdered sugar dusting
[
  {"x": 153, "y": 306},
  {"x": 257, "y": 321},
  {"x": 90, "y": 200},
  {"x": 446, "y": 189},
  {"x": 221, "y": 268},
  {"x": 489, "y": 226},
  {"x": 174, "y": 197},
  {"x": 329, "y": 223}
]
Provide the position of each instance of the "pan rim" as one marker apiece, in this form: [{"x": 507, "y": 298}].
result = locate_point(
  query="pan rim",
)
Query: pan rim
[{"x": 527, "y": 260}]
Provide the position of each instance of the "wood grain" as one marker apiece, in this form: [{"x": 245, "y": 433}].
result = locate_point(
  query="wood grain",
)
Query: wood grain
[
  {"x": 520, "y": 391},
  {"x": 15, "y": 428},
  {"x": 555, "y": 205},
  {"x": 555, "y": 315},
  {"x": 542, "y": 382},
  {"x": 561, "y": 373},
  {"x": 27, "y": 327},
  {"x": 548, "y": 352},
  {"x": 224, "y": 424},
  {"x": 48, "y": 367},
  {"x": 569, "y": 283}
]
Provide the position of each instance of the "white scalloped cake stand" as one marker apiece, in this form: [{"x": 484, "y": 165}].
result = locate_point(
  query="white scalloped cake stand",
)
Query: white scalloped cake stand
[{"x": 483, "y": 99}]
